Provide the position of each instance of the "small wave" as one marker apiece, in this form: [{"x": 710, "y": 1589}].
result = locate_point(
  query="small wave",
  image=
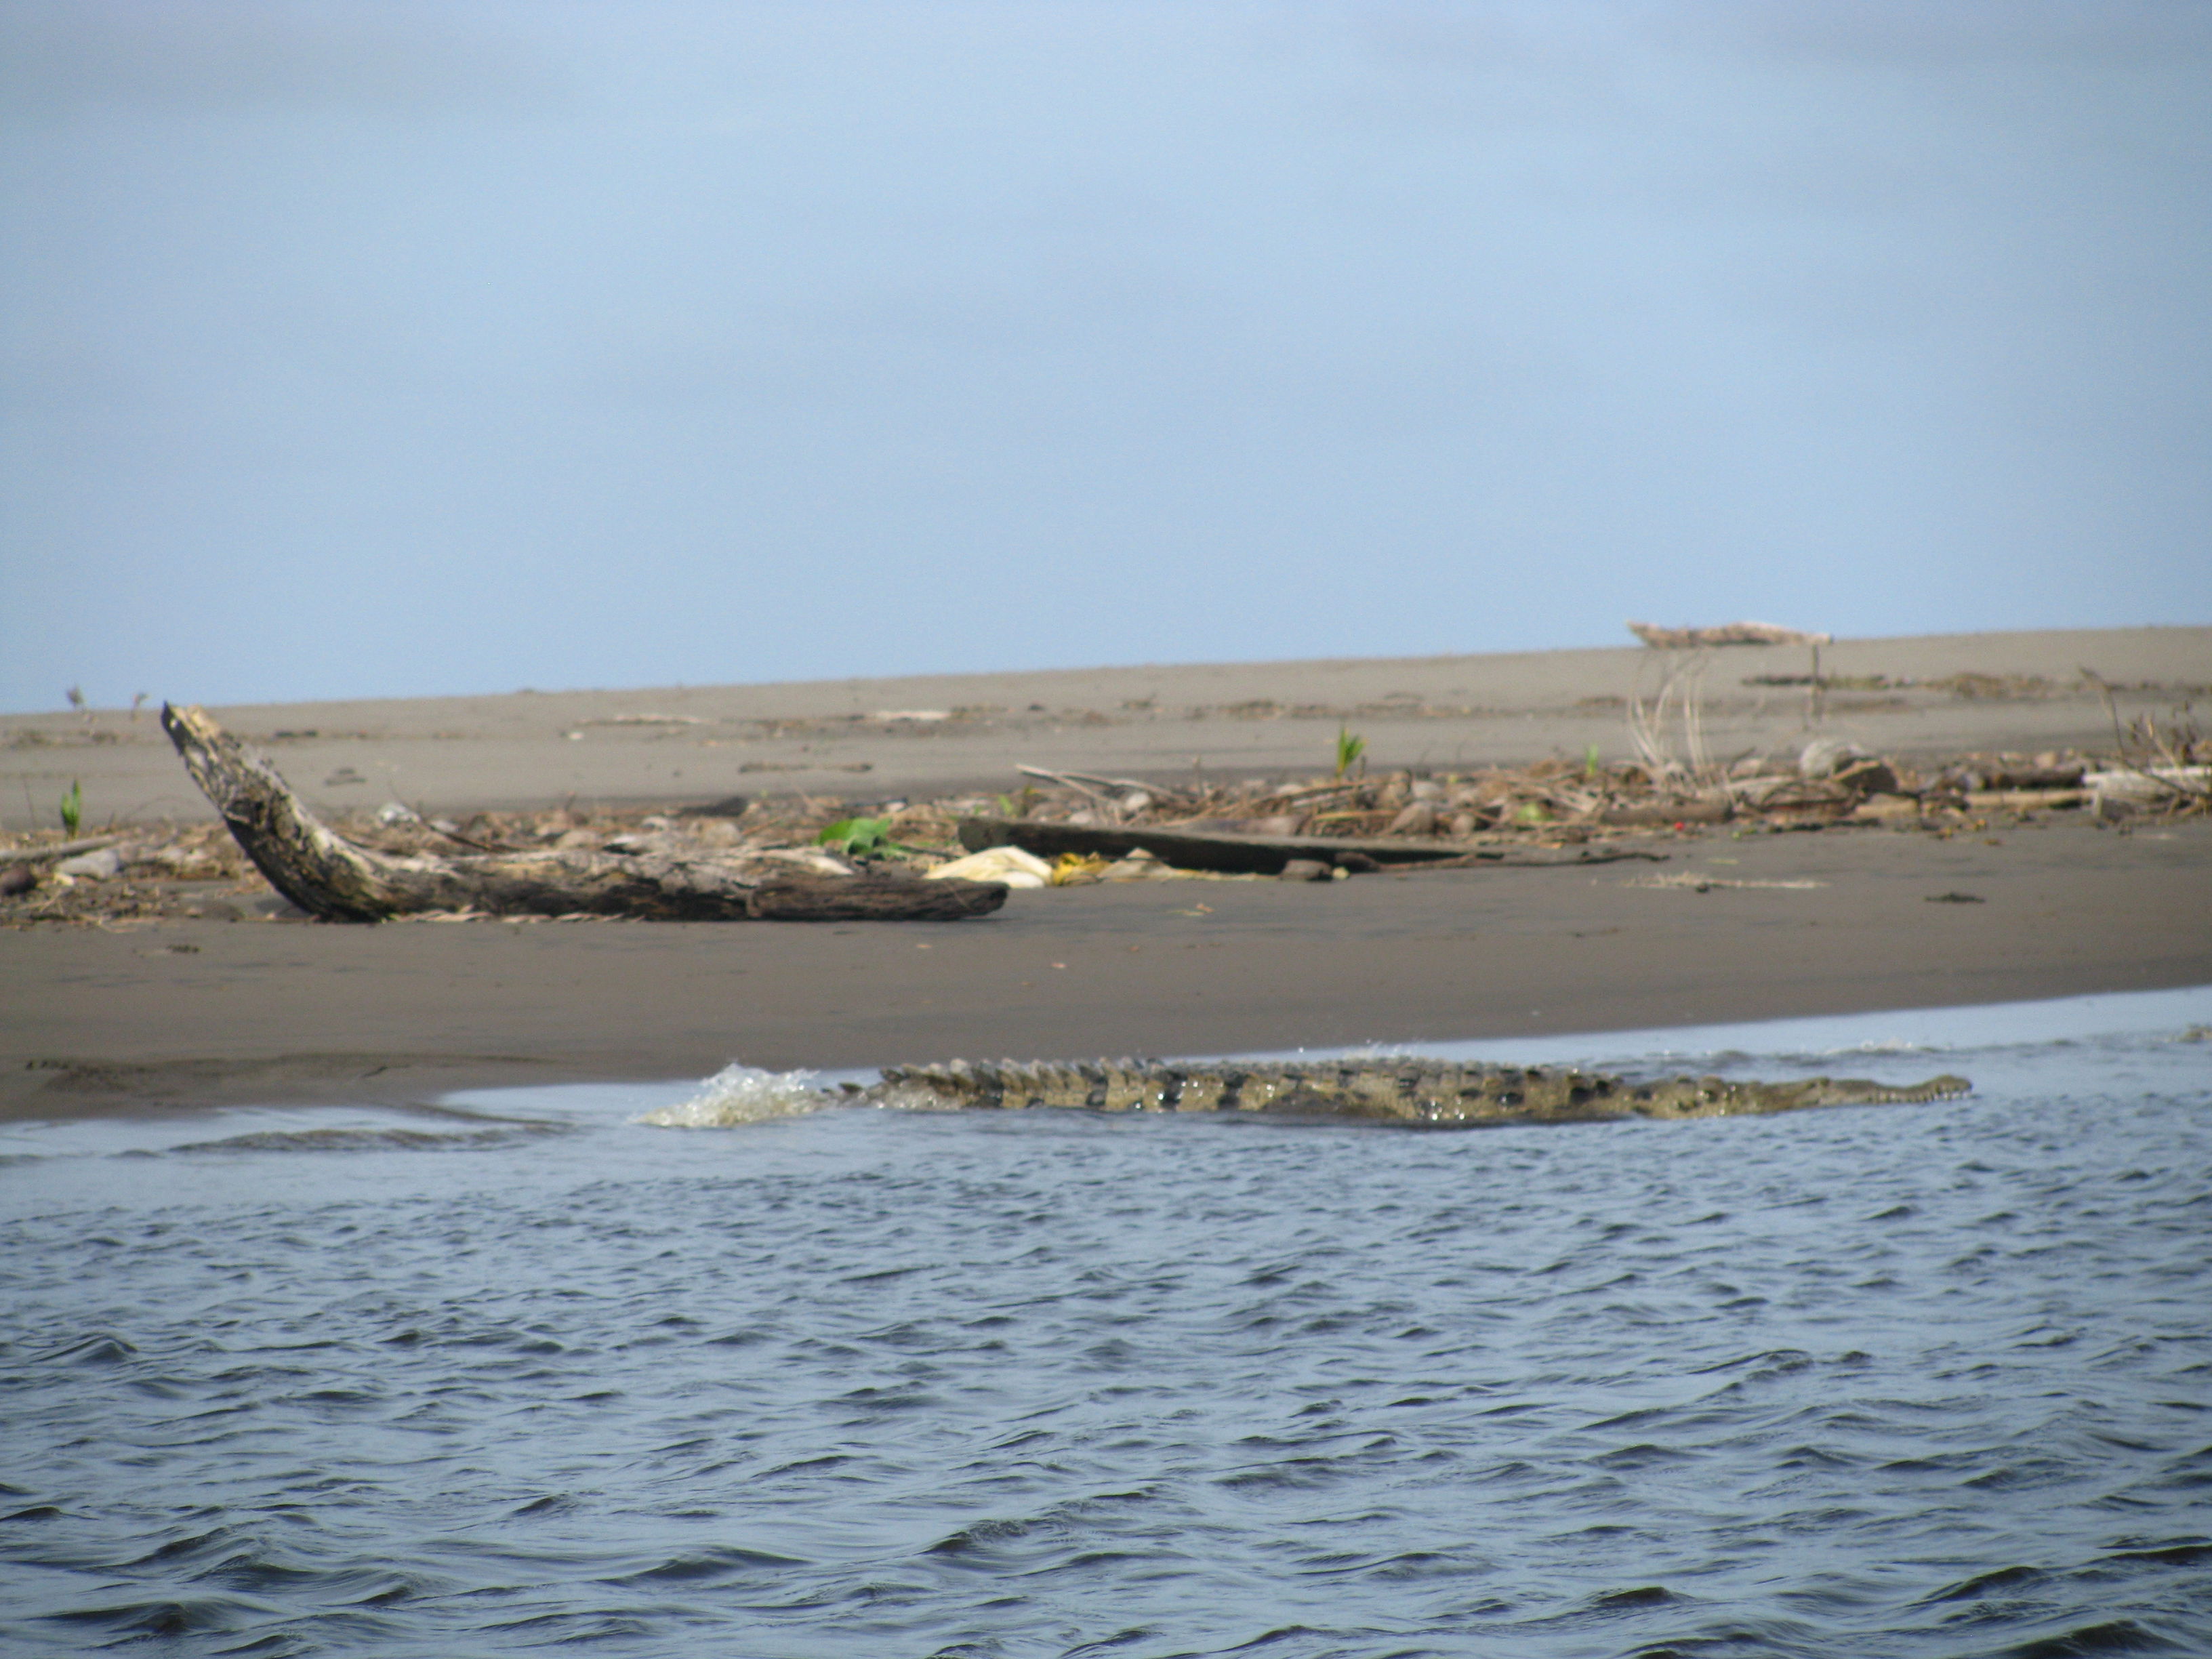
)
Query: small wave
[
  {"x": 721, "y": 1562},
  {"x": 163, "y": 1616},
  {"x": 98, "y": 1349},
  {"x": 738, "y": 1095}
]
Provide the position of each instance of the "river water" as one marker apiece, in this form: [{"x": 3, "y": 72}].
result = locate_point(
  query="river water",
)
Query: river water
[{"x": 523, "y": 1373}]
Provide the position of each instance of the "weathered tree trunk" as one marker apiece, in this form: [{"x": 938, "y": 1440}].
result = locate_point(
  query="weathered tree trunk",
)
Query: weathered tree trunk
[{"x": 328, "y": 876}]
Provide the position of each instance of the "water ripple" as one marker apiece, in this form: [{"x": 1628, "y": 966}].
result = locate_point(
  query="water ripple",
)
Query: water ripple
[{"x": 852, "y": 1383}]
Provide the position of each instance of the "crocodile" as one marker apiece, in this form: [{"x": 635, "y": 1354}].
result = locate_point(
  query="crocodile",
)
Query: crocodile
[{"x": 1417, "y": 1092}]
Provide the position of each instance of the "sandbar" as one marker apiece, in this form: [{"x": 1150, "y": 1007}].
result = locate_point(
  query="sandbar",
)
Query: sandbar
[{"x": 189, "y": 1014}]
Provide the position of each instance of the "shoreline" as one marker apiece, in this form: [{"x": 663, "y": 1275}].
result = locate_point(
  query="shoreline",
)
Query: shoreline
[
  {"x": 141, "y": 1017},
  {"x": 144, "y": 1017},
  {"x": 437, "y": 1084}
]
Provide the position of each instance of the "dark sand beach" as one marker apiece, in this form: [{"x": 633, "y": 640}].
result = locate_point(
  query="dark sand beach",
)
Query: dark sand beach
[{"x": 145, "y": 1015}]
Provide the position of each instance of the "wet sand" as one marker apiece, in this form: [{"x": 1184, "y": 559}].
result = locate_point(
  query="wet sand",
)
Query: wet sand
[
  {"x": 194, "y": 1013},
  {"x": 200, "y": 1012}
]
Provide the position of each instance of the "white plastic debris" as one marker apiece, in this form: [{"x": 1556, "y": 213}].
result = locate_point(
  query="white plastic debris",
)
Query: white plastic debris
[
  {"x": 2142, "y": 783},
  {"x": 1824, "y": 757},
  {"x": 105, "y": 865},
  {"x": 1008, "y": 864}
]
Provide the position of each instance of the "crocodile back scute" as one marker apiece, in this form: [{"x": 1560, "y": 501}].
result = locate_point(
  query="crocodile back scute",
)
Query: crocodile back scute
[{"x": 1396, "y": 1089}]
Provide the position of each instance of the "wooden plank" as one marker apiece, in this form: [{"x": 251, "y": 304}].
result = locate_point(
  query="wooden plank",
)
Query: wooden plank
[
  {"x": 1499, "y": 858},
  {"x": 1658, "y": 814},
  {"x": 874, "y": 898},
  {"x": 67, "y": 849},
  {"x": 1197, "y": 849}
]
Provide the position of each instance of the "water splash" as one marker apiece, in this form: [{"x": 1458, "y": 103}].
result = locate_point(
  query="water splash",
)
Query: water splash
[{"x": 738, "y": 1095}]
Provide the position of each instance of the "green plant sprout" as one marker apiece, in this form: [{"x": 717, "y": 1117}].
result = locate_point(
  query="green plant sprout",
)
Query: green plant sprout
[
  {"x": 73, "y": 807},
  {"x": 1349, "y": 749},
  {"x": 861, "y": 838},
  {"x": 1589, "y": 761}
]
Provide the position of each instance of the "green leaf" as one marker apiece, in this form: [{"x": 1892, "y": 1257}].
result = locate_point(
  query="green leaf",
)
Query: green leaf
[
  {"x": 73, "y": 807},
  {"x": 852, "y": 834},
  {"x": 861, "y": 838}
]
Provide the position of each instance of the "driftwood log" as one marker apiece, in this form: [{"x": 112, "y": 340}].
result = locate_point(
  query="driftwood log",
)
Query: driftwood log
[
  {"x": 1185, "y": 848},
  {"x": 329, "y": 877}
]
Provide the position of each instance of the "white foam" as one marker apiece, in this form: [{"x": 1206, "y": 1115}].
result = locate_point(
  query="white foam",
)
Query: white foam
[{"x": 738, "y": 1095}]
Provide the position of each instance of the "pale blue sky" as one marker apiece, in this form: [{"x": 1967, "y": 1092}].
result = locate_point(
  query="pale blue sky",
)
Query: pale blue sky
[{"x": 384, "y": 349}]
